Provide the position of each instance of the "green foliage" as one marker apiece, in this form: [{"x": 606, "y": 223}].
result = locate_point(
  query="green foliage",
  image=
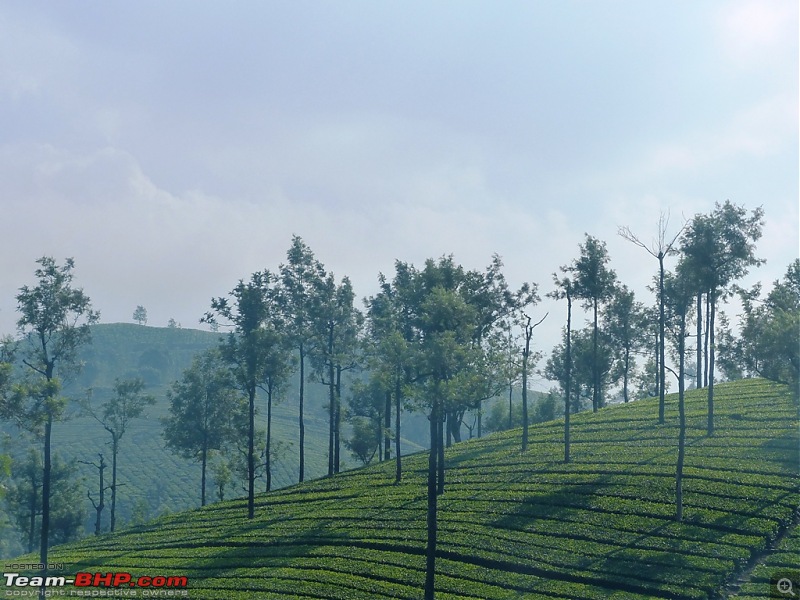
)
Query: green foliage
[
  {"x": 511, "y": 524},
  {"x": 769, "y": 342}
]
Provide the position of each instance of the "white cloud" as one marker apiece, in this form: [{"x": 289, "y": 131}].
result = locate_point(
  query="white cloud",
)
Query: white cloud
[{"x": 751, "y": 31}]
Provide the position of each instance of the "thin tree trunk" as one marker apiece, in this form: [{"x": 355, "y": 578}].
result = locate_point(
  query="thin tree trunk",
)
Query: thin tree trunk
[
  {"x": 595, "y": 370},
  {"x": 708, "y": 333},
  {"x": 510, "y": 406},
  {"x": 268, "y": 448},
  {"x": 699, "y": 374},
  {"x": 302, "y": 467},
  {"x": 712, "y": 353},
  {"x": 251, "y": 458},
  {"x": 525, "y": 354},
  {"x": 114, "y": 451},
  {"x": 662, "y": 384},
  {"x": 433, "y": 459},
  {"x": 681, "y": 424},
  {"x": 440, "y": 450},
  {"x": 337, "y": 421},
  {"x": 46, "y": 474},
  {"x": 204, "y": 453},
  {"x": 331, "y": 404},
  {"x": 398, "y": 473},
  {"x": 387, "y": 422},
  {"x": 567, "y": 407},
  {"x": 34, "y": 506}
]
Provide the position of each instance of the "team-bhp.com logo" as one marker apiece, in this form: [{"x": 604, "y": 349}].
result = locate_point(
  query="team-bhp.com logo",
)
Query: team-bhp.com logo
[{"x": 96, "y": 585}]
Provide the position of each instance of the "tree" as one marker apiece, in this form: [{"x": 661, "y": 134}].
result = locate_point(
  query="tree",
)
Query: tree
[
  {"x": 625, "y": 324},
  {"x": 679, "y": 290},
  {"x": 140, "y": 315},
  {"x": 564, "y": 289},
  {"x": 203, "y": 406},
  {"x": 127, "y": 402},
  {"x": 452, "y": 316},
  {"x": 98, "y": 504},
  {"x": 254, "y": 350},
  {"x": 594, "y": 284},
  {"x": 718, "y": 249},
  {"x": 659, "y": 249},
  {"x": 526, "y": 356},
  {"x": 336, "y": 327},
  {"x": 300, "y": 277},
  {"x": 54, "y": 323},
  {"x": 24, "y": 499},
  {"x": 768, "y": 342}
]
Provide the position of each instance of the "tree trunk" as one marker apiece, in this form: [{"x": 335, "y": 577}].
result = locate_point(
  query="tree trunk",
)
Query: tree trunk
[
  {"x": 302, "y": 467},
  {"x": 705, "y": 346},
  {"x": 525, "y": 354},
  {"x": 46, "y": 473},
  {"x": 711, "y": 355},
  {"x": 567, "y": 406},
  {"x": 204, "y": 454},
  {"x": 337, "y": 445},
  {"x": 440, "y": 450},
  {"x": 398, "y": 473},
  {"x": 331, "y": 407},
  {"x": 595, "y": 370},
  {"x": 101, "y": 503},
  {"x": 268, "y": 448},
  {"x": 114, "y": 451},
  {"x": 510, "y": 406},
  {"x": 251, "y": 458},
  {"x": 387, "y": 426},
  {"x": 699, "y": 374},
  {"x": 433, "y": 459},
  {"x": 662, "y": 382},
  {"x": 681, "y": 424}
]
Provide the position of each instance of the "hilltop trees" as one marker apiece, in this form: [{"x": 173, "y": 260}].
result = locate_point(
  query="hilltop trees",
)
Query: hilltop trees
[
  {"x": 54, "y": 323},
  {"x": 140, "y": 315}
]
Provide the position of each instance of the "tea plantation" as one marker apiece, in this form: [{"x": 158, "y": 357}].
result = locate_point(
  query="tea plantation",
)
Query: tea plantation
[{"x": 512, "y": 525}]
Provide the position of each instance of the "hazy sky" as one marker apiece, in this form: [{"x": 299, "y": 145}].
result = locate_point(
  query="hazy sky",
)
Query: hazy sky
[{"x": 173, "y": 148}]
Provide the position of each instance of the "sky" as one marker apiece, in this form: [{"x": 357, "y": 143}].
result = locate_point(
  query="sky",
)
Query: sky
[{"x": 174, "y": 148}]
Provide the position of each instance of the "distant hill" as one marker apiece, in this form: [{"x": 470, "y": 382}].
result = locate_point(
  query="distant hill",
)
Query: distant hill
[
  {"x": 512, "y": 525},
  {"x": 155, "y": 480}
]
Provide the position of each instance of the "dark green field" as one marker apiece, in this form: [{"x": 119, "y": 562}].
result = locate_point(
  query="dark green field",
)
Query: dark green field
[{"x": 511, "y": 525}]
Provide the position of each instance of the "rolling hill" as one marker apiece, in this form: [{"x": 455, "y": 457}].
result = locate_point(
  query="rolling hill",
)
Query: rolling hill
[{"x": 512, "y": 525}]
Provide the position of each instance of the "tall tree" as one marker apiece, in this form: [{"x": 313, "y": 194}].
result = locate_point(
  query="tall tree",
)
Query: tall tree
[
  {"x": 624, "y": 323},
  {"x": 661, "y": 247},
  {"x": 564, "y": 289},
  {"x": 594, "y": 284},
  {"x": 718, "y": 249},
  {"x": 526, "y": 359},
  {"x": 203, "y": 407},
  {"x": 337, "y": 324},
  {"x": 300, "y": 278},
  {"x": 54, "y": 323},
  {"x": 127, "y": 402},
  {"x": 679, "y": 291},
  {"x": 253, "y": 350}
]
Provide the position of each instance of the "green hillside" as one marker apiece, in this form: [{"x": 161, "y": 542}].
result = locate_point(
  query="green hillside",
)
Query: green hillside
[
  {"x": 152, "y": 479},
  {"x": 512, "y": 525}
]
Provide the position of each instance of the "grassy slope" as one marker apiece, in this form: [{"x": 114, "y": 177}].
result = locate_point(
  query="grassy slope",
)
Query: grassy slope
[{"x": 511, "y": 525}]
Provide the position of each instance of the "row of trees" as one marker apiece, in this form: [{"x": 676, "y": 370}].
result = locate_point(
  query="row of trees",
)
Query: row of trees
[{"x": 437, "y": 339}]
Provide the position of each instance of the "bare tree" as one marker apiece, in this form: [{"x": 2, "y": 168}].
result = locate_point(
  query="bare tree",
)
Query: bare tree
[{"x": 659, "y": 248}]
